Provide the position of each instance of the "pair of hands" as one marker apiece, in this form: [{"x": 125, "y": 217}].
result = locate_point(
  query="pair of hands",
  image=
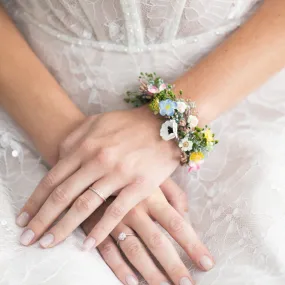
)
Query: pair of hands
[
  {"x": 150, "y": 243},
  {"x": 119, "y": 152}
]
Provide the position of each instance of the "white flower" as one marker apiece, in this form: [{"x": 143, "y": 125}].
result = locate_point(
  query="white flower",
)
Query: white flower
[
  {"x": 181, "y": 106},
  {"x": 185, "y": 144},
  {"x": 193, "y": 121},
  {"x": 168, "y": 130}
]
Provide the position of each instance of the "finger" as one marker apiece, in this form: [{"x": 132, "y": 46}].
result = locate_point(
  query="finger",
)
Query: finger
[
  {"x": 115, "y": 261},
  {"x": 60, "y": 172},
  {"x": 61, "y": 198},
  {"x": 162, "y": 249},
  {"x": 81, "y": 209},
  {"x": 175, "y": 196},
  {"x": 138, "y": 256},
  {"x": 124, "y": 202},
  {"x": 184, "y": 234}
]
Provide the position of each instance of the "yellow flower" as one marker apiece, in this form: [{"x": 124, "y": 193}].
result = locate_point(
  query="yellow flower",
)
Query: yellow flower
[
  {"x": 209, "y": 135},
  {"x": 154, "y": 106},
  {"x": 196, "y": 156}
]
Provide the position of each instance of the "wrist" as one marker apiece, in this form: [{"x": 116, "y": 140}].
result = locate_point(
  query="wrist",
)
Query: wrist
[
  {"x": 206, "y": 112},
  {"x": 180, "y": 118},
  {"x": 155, "y": 122},
  {"x": 48, "y": 144}
]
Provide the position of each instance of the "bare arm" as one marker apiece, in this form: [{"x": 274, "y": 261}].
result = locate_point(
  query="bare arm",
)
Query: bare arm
[
  {"x": 244, "y": 61},
  {"x": 31, "y": 95},
  {"x": 136, "y": 165}
]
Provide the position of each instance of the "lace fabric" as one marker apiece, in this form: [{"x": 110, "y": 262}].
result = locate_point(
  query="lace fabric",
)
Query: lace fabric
[{"x": 95, "y": 49}]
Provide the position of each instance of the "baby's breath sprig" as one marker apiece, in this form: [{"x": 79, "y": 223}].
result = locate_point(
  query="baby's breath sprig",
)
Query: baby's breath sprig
[{"x": 181, "y": 118}]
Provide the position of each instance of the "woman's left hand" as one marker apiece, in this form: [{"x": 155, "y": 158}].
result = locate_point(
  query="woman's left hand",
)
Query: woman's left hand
[
  {"x": 146, "y": 237},
  {"x": 111, "y": 152}
]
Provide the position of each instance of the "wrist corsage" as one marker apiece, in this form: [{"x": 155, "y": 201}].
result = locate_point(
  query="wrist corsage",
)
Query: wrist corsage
[{"x": 181, "y": 119}]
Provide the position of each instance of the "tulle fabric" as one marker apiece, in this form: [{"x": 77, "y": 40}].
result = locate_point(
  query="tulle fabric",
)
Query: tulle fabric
[{"x": 95, "y": 49}]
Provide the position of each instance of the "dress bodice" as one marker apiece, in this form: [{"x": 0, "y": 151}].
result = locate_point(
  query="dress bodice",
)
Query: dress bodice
[
  {"x": 95, "y": 49},
  {"x": 132, "y": 23}
]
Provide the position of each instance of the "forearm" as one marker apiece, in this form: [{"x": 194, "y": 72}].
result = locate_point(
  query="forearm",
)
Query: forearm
[
  {"x": 244, "y": 61},
  {"x": 31, "y": 95}
]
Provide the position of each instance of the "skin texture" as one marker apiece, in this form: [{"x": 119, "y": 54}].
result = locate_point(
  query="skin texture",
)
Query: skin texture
[
  {"x": 140, "y": 221},
  {"x": 239, "y": 65},
  {"x": 36, "y": 105},
  {"x": 137, "y": 166},
  {"x": 249, "y": 57}
]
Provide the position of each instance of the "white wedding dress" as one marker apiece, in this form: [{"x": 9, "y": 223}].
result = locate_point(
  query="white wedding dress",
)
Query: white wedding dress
[{"x": 95, "y": 49}]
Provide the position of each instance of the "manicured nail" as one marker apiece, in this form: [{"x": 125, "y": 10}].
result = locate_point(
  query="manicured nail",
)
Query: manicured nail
[
  {"x": 206, "y": 262},
  {"x": 89, "y": 243},
  {"x": 23, "y": 219},
  {"x": 185, "y": 281},
  {"x": 26, "y": 237},
  {"x": 131, "y": 280},
  {"x": 46, "y": 240},
  {"x": 164, "y": 283}
]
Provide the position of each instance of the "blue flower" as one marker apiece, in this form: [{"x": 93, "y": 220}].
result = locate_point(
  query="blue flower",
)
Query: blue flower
[{"x": 167, "y": 107}]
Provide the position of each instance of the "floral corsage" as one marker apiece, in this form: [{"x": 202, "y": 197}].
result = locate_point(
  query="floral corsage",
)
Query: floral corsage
[{"x": 181, "y": 119}]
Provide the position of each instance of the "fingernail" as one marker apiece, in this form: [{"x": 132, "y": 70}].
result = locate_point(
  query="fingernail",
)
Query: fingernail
[
  {"x": 206, "y": 263},
  {"x": 185, "y": 281},
  {"x": 23, "y": 219},
  {"x": 47, "y": 240},
  {"x": 26, "y": 237},
  {"x": 89, "y": 243},
  {"x": 164, "y": 283},
  {"x": 131, "y": 280}
]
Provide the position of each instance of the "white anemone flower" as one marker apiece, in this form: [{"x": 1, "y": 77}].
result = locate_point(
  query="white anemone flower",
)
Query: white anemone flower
[
  {"x": 168, "y": 130},
  {"x": 185, "y": 144},
  {"x": 181, "y": 106},
  {"x": 193, "y": 121}
]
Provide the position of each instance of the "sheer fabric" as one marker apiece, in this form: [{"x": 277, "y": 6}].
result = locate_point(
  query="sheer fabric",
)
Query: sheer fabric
[{"x": 95, "y": 49}]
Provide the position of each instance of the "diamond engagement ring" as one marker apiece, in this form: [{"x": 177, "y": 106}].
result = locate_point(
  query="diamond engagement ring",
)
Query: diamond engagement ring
[
  {"x": 122, "y": 236},
  {"x": 98, "y": 193}
]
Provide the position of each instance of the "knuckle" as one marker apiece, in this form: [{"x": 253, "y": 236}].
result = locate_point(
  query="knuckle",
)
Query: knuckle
[
  {"x": 123, "y": 169},
  {"x": 133, "y": 213},
  {"x": 176, "y": 224},
  {"x": 140, "y": 180},
  {"x": 82, "y": 204},
  {"x": 31, "y": 203},
  {"x": 87, "y": 145},
  {"x": 49, "y": 180},
  {"x": 59, "y": 195},
  {"x": 116, "y": 211},
  {"x": 37, "y": 223},
  {"x": 175, "y": 270},
  {"x": 105, "y": 157},
  {"x": 155, "y": 240},
  {"x": 133, "y": 249},
  {"x": 107, "y": 250},
  {"x": 192, "y": 247}
]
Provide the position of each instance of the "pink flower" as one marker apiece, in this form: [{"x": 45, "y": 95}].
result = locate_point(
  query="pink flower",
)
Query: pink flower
[
  {"x": 154, "y": 89},
  {"x": 162, "y": 87},
  {"x": 195, "y": 166}
]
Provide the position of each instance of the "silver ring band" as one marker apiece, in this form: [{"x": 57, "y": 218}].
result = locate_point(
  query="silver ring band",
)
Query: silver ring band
[
  {"x": 98, "y": 193},
  {"x": 122, "y": 236}
]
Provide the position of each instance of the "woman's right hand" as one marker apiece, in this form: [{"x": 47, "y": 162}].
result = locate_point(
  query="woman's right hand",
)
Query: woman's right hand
[
  {"x": 117, "y": 151},
  {"x": 150, "y": 239}
]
